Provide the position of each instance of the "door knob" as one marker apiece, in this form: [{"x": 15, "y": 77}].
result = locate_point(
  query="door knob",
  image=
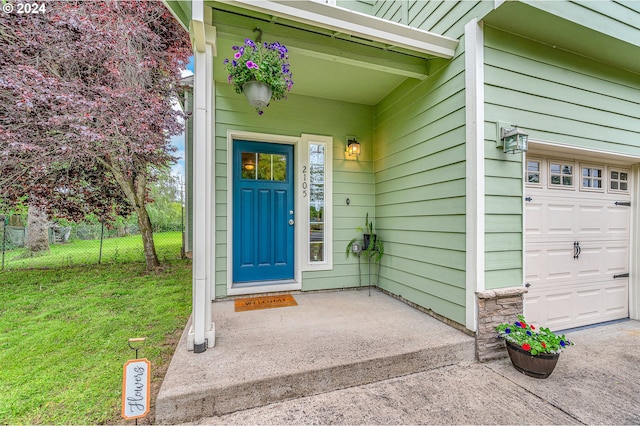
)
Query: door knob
[{"x": 290, "y": 221}]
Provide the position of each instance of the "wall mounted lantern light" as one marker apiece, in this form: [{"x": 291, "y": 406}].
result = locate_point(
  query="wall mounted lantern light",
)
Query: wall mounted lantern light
[
  {"x": 513, "y": 140},
  {"x": 353, "y": 148}
]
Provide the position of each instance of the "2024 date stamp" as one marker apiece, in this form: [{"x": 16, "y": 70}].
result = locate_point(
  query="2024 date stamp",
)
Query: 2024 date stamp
[{"x": 23, "y": 8}]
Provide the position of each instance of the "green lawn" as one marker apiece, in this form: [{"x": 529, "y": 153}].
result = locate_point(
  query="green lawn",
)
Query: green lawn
[
  {"x": 64, "y": 332},
  {"x": 87, "y": 252}
]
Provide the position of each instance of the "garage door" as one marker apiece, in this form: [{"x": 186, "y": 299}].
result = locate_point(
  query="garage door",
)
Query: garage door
[{"x": 577, "y": 220}]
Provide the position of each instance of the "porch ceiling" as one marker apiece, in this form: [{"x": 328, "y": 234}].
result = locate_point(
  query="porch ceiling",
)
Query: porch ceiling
[{"x": 326, "y": 63}]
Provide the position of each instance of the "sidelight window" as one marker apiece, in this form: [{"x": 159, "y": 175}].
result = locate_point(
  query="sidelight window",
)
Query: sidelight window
[{"x": 315, "y": 201}]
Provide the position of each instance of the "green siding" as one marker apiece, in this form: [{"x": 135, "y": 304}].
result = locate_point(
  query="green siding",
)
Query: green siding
[
  {"x": 352, "y": 179},
  {"x": 362, "y": 6},
  {"x": 619, "y": 19},
  {"x": 560, "y": 97},
  {"x": 443, "y": 17},
  {"x": 554, "y": 96},
  {"x": 419, "y": 168}
]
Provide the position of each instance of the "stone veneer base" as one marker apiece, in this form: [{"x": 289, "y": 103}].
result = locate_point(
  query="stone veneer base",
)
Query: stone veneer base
[{"x": 496, "y": 307}]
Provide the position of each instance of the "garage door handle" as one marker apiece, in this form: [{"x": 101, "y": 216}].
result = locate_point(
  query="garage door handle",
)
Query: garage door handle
[
  {"x": 576, "y": 249},
  {"x": 621, "y": 275}
]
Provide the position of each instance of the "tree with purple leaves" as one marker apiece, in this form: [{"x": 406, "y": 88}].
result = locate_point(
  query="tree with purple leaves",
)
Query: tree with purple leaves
[{"x": 86, "y": 116}]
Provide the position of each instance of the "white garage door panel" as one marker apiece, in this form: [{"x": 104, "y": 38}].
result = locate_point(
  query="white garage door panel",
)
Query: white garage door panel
[
  {"x": 568, "y": 292},
  {"x": 548, "y": 218},
  {"x": 554, "y": 262},
  {"x": 577, "y": 304}
]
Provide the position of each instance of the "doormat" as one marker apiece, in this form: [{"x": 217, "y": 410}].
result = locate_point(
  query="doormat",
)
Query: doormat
[{"x": 265, "y": 302}]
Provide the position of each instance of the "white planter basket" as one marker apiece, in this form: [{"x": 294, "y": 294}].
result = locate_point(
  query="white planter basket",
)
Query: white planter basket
[{"x": 257, "y": 93}]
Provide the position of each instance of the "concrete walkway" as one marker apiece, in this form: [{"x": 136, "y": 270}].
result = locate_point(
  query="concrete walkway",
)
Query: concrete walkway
[
  {"x": 331, "y": 340},
  {"x": 595, "y": 382}
]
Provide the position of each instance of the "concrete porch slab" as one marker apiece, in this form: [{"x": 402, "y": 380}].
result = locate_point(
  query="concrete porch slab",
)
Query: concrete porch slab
[{"x": 331, "y": 340}]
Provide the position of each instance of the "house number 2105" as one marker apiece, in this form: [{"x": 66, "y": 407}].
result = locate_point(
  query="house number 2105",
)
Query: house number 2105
[{"x": 304, "y": 182}]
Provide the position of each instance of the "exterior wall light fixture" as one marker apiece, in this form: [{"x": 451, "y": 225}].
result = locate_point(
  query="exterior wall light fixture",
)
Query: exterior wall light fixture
[
  {"x": 353, "y": 148},
  {"x": 513, "y": 140}
]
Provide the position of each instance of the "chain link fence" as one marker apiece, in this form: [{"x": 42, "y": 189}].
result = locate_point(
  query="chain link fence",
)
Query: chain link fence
[{"x": 85, "y": 244}]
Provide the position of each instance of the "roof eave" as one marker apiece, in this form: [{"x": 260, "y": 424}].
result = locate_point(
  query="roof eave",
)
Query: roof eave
[{"x": 354, "y": 23}]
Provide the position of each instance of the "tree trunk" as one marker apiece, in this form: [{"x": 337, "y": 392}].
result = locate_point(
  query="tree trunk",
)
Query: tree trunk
[
  {"x": 37, "y": 231},
  {"x": 134, "y": 188},
  {"x": 150, "y": 256}
]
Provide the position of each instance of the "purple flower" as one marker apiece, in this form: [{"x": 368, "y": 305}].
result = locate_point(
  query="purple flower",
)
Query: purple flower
[
  {"x": 528, "y": 333},
  {"x": 507, "y": 331},
  {"x": 562, "y": 343},
  {"x": 237, "y": 55},
  {"x": 251, "y": 64},
  {"x": 236, "y": 47},
  {"x": 226, "y": 61},
  {"x": 234, "y": 63},
  {"x": 249, "y": 42},
  {"x": 518, "y": 324}
]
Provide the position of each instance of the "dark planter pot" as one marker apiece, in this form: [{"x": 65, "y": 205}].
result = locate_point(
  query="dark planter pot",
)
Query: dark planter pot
[
  {"x": 366, "y": 239},
  {"x": 539, "y": 366}
]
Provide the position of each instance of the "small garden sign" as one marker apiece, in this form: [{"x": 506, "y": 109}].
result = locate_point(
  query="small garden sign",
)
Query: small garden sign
[{"x": 136, "y": 383}]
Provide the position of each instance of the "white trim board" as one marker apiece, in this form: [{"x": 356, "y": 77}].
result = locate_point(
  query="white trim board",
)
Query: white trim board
[{"x": 475, "y": 191}]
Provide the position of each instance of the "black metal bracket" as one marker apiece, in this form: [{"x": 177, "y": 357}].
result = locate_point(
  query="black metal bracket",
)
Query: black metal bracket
[
  {"x": 621, "y": 275},
  {"x": 623, "y": 203},
  {"x": 576, "y": 249},
  {"x": 528, "y": 199},
  {"x": 201, "y": 347}
]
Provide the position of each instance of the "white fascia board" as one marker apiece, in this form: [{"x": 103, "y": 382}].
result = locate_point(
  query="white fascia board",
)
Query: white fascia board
[{"x": 358, "y": 24}]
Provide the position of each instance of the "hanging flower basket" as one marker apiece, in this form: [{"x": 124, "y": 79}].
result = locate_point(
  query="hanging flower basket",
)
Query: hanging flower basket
[
  {"x": 258, "y": 94},
  {"x": 265, "y": 63}
]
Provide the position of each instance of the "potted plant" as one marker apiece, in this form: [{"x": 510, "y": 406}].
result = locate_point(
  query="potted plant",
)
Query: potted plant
[
  {"x": 372, "y": 246},
  {"x": 532, "y": 352},
  {"x": 260, "y": 71}
]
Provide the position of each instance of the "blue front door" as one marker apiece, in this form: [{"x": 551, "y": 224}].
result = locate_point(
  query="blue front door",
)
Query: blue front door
[{"x": 263, "y": 227}]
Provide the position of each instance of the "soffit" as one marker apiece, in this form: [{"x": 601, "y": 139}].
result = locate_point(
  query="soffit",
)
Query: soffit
[
  {"x": 326, "y": 63},
  {"x": 535, "y": 24}
]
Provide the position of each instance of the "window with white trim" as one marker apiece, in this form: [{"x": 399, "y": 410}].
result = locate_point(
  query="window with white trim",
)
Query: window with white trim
[
  {"x": 592, "y": 178},
  {"x": 316, "y": 202},
  {"x": 561, "y": 174},
  {"x": 534, "y": 172},
  {"x": 315, "y": 196},
  {"x": 618, "y": 180}
]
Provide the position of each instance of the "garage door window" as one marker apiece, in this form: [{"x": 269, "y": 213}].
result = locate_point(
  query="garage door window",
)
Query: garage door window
[
  {"x": 619, "y": 181},
  {"x": 592, "y": 178},
  {"x": 533, "y": 172},
  {"x": 560, "y": 175}
]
